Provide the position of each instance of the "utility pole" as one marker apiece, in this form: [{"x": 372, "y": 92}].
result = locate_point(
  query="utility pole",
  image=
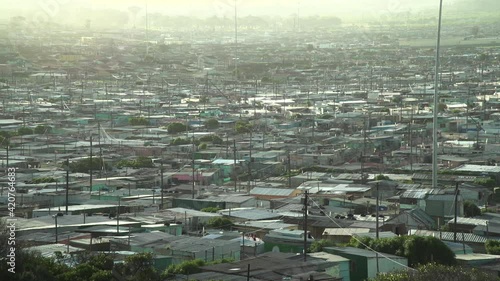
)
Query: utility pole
[
  {"x": 467, "y": 113},
  {"x": 234, "y": 168},
  {"x": 206, "y": 92},
  {"x": 161, "y": 183},
  {"x": 305, "y": 224},
  {"x": 90, "y": 163},
  {"x": 192, "y": 164},
  {"x": 67, "y": 184},
  {"x": 100, "y": 148},
  {"x": 456, "y": 213},
  {"x": 376, "y": 212},
  {"x": 313, "y": 128},
  {"x": 118, "y": 216},
  {"x": 250, "y": 163},
  {"x": 227, "y": 146},
  {"x": 289, "y": 170},
  {"x": 411, "y": 140},
  {"x": 364, "y": 151},
  {"x": 377, "y": 224}
]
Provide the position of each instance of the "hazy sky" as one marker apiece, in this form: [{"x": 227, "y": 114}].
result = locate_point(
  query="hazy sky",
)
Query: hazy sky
[{"x": 225, "y": 7}]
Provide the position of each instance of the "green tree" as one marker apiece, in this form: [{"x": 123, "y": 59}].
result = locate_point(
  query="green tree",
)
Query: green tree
[
  {"x": 433, "y": 271},
  {"x": 211, "y": 138},
  {"x": 139, "y": 267},
  {"x": 139, "y": 162},
  {"x": 24, "y": 131},
  {"x": 186, "y": 268},
  {"x": 211, "y": 124},
  {"x": 176, "y": 127},
  {"x": 4, "y": 138},
  {"x": 144, "y": 162},
  {"x": 442, "y": 107},
  {"x": 381, "y": 177},
  {"x": 242, "y": 127},
  {"x": 492, "y": 247},
  {"x": 180, "y": 141},
  {"x": 220, "y": 223},
  {"x": 319, "y": 245},
  {"x": 32, "y": 265},
  {"x": 471, "y": 210},
  {"x": 418, "y": 249},
  {"x": 42, "y": 129},
  {"x": 83, "y": 165},
  {"x": 211, "y": 209},
  {"x": 397, "y": 99},
  {"x": 138, "y": 121},
  {"x": 486, "y": 182}
]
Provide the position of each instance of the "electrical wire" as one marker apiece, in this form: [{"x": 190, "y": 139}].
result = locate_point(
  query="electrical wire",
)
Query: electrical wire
[{"x": 360, "y": 242}]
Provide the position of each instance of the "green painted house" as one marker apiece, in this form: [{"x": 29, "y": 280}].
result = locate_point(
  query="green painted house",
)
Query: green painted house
[{"x": 363, "y": 263}]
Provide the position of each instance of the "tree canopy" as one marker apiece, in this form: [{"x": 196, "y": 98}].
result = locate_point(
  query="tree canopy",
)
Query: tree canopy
[
  {"x": 471, "y": 210},
  {"x": 318, "y": 245},
  {"x": 435, "y": 271},
  {"x": 176, "y": 127},
  {"x": 381, "y": 177},
  {"x": 42, "y": 129},
  {"x": 139, "y": 267},
  {"x": 211, "y": 138},
  {"x": 492, "y": 247},
  {"x": 211, "y": 209},
  {"x": 139, "y": 162},
  {"x": 138, "y": 121},
  {"x": 417, "y": 249},
  {"x": 211, "y": 124},
  {"x": 242, "y": 127},
  {"x": 487, "y": 182},
  {"x": 83, "y": 165},
  {"x": 220, "y": 223},
  {"x": 24, "y": 131}
]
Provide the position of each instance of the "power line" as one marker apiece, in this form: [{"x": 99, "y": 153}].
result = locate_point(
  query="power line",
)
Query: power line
[{"x": 360, "y": 242}]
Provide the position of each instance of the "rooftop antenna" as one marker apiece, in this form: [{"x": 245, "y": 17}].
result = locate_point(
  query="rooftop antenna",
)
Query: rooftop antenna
[{"x": 435, "y": 111}]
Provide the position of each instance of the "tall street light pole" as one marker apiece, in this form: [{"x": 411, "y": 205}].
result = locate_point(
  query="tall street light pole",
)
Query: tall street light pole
[
  {"x": 436, "y": 102},
  {"x": 55, "y": 217}
]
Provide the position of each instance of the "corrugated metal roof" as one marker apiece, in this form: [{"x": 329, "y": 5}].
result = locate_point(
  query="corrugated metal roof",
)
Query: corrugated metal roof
[
  {"x": 385, "y": 234},
  {"x": 422, "y": 216},
  {"x": 443, "y": 197},
  {"x": 268, "y": 224},
  {"x": 416, "y": 193},
  {"x": 448, "y": 236},
  {"x": 361, "y": 252},
  {"x": 471, "y": 221},
  {"x": 409, "y": 186},
  {"x": 230, "y": 198},
  {"x": 192, "y": 213},
  {"x": 344, "y": 231},
  {"x": 478, "y": 168},
  {"x": 251, "y": 214},
  {"x": 271, "y": 191},
  {"x": 196, "y": 244}
]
